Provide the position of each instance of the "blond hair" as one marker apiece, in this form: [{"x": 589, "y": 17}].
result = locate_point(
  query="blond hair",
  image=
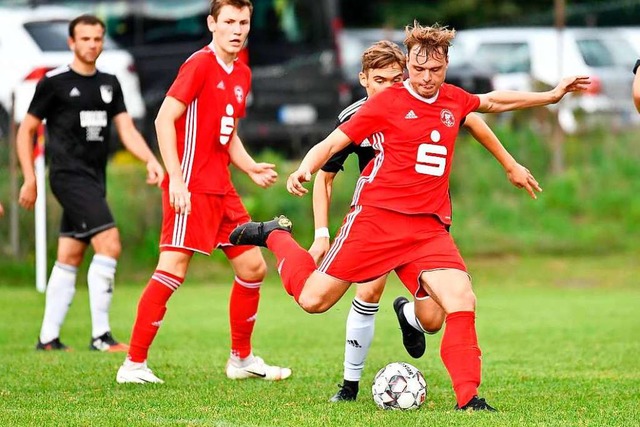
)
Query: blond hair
[
  {"x": 433, "y": 41},
  {"x": 383, "y": 54}
]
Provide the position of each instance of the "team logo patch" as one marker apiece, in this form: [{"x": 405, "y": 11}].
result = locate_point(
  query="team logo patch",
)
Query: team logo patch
[
  {"x": 239, "y": 93},
  {"x": 447, "y": 118},
  {"x": 106, "y": 92}
]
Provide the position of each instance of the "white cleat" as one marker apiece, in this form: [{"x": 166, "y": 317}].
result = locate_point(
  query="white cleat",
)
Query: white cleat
[
  {"x": 136, "y": 373},
  {"x": 257, "y": 369}
]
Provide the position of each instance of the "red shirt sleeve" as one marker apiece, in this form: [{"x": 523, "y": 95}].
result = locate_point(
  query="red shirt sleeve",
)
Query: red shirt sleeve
[{"x": 190, "y": 79}]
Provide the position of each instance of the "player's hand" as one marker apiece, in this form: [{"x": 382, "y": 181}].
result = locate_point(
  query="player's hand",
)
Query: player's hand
[
  {"x": 179, "y": 196},
  {"x": 28, "y": 194},
  {"x": 1, "y": 211},
  {"x": 263, "y": 174},
  {"x": 294, "y": 183},
  {"x": 155, "y": 173},
  {"x": 571, "y": 84},
  {"x": 522, "y": 178},
  {"x": 319, "y": 249}
]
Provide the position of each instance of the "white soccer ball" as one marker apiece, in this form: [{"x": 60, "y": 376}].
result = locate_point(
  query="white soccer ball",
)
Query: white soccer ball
[{"x": 399, "y": 385}]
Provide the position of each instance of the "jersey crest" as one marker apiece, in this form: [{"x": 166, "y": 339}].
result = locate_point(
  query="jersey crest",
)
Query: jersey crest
[
  {"x": 447, "y": 118},
  {"x": 239, "y": 93},
  {"x": 106, "y": 93}
]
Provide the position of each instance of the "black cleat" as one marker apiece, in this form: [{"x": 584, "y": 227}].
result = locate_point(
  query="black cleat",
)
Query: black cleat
[
  {"x": 412, "y": 339},
  {"x": 107, "y": 343},
  {"x": 53, "y": 345},
  {"x": 256, "y": 233},
  {"x": 476, "y": 404},
  {"x": 345, "y": 393}
]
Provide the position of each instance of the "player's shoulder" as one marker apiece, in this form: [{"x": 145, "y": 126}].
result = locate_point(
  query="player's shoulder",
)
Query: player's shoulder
[
  {"x": 58, "y": 73},
  {"x": 452, "y": 90},
  {"x": 199, "y": 56},
  {"x": 351, "y": 110}
]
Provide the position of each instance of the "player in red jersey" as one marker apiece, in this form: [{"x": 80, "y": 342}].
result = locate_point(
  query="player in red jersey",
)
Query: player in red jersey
[
  {"x": 196, "y": 128},
  {"x": 401, "y": 209},
  {"x": 636, "y": 85},
  {"x": 382, "y": 66}
]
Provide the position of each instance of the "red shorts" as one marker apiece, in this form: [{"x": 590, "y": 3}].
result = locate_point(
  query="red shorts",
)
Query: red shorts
[
  {"x": 374, "y": 241},
  {"x": 213, "y": 217}
]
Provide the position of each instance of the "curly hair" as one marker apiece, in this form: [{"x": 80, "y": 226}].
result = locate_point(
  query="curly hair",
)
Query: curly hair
[
  {"x": 383, "y": 54},
  {"x": 433, "y": 41}
]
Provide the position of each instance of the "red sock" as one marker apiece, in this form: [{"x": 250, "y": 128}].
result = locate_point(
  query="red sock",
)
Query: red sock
[
  {"x": 151, "y": 309},
  {"x": 461, "y": 355},
  {"x": 295, "y": 265},
  {"x": 243, "y": 308}
]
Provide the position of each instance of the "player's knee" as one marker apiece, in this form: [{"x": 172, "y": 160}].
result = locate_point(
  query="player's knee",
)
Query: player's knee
[
  {"x": 312, "y": 304},
  {"x": 370, "y": 295},
  {"x": 255, "y": 270},
  {"x": 467, "y": 300}
]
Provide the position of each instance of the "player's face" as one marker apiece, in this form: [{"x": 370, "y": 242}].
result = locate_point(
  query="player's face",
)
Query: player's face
[
  {"x": 426, "y": 75},
  {"x": 378, "y": 79},
  {"x": 87, "y": 42},
  {"x": 231, "y": 29}
]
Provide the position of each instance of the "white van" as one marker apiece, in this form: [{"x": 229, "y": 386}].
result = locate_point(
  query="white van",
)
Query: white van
[{"x": 532, "y": 58}]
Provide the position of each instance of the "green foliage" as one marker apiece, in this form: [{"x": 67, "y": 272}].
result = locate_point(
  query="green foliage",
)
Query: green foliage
[{"x": 559, "y": 342}]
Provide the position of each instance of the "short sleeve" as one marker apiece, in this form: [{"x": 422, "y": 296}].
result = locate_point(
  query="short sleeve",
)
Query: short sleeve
[
  {"x": 189, "y": 80},
  {"x": 43, "y": 99},
  {"x": 469, "y": 102},
  {"x": 117, "y": 105},
  {"x": 367, "y": 120},
  {"x": 336, "y": 163}
]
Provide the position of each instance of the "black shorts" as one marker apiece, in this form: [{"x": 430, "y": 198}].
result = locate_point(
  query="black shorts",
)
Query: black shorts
[{"x": 85, "y": 212}]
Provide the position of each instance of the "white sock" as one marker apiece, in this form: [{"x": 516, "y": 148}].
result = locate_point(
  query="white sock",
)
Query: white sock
[
  {"x": 410, "y": 313},
  {"x": 60, "y": 290},
  {"x": 100, "y": 278},
  {"x": 360, "y": 329},
  {"x": 241, "y": 363}
]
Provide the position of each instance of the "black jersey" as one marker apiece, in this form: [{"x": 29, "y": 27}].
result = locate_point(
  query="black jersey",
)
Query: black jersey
[
  {"x": 78, "y": 110},
  {"x": 364, "y": 151}
]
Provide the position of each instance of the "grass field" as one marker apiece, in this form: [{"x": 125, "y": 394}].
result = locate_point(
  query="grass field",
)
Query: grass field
[{"x": 560, "y": 340}]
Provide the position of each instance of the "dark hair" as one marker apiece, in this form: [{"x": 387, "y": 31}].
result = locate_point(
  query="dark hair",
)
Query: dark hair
[
  {"x": 216, "y": 5},
  {"x": 87, "y": 20}
]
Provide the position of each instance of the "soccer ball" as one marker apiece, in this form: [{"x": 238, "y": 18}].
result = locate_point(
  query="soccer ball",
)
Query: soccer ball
[{"x": 399, "y": 385}]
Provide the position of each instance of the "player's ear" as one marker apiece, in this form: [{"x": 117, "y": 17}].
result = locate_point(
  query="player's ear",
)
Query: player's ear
[
  {"x": 71, "y": 43},
  {"x": 211, "y": 23},
  {"x": 362, "y": 76}
]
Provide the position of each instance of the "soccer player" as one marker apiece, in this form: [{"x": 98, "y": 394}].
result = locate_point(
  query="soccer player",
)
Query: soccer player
[
  {"x": 196, "y": 128},
  {"x": 382, "y": 65},
  {"x": 79, "y": 104},
  {"x": 401, "y": 208},
  {"x": 636, "y": 85}
]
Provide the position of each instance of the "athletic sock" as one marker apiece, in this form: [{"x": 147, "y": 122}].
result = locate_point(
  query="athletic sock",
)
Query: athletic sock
[
  {"x": 100, "y": 279},
  {"x": 360, "y": 330},
  {"x": 243, "y": 309},
  {"x": 60, "y": 290},
  {"x": 409, "y": 310},
  {"x": 461, "y": 355},
  {"x": 151, "y": 309},
  {"x": 353, "y": 385},
  {"x": 295, "y": 265}
]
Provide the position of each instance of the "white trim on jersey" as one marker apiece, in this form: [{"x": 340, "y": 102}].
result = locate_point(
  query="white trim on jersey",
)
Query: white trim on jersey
[
  {"x": 251, "y": 285},
  {"x": 190, "y": 134},
  {"x": 339, "y": 241},
  {"x": 61, "y": 69},
  {"x": 419, "y": 97},
  {"x": 227, "y": 68},
  {"x": 179, "y": 230},
  {"x": 350, "y": 110},
  {"x": 377, "y": 140}
]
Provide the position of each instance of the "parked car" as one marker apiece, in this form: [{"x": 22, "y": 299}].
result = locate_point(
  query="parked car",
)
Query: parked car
[
  {"x": 531, "y": 58},
  {"x": 34, "y": 41},
  {"x": 353, "y": 42}
]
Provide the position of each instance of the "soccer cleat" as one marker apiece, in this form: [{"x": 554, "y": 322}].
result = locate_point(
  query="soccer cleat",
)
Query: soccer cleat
[
  {"x": 412, "y": 339},
  {"x": 256, "y": 233},
  {"x": 136, "y": 373},
  {"x": 476, "y": 404},
  {"x": 53, "y": 345},
  {"x": 345, "y": 393},
  {"x": 257, "y": 369},
  {"x": 107, "y": 343}
]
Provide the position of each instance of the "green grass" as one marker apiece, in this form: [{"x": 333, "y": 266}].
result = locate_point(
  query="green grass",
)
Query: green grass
[{"x": 559, "y": 338}]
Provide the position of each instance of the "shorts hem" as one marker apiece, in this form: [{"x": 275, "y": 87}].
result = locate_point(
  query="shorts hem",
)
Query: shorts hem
[{"x": 169, "y": 247}]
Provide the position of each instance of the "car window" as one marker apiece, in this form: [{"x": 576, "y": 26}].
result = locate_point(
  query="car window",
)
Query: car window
[
  {"x": 513, "y": 57},
  {"x": 605, "y": 53},
  {"x": 51, "y": 36}
]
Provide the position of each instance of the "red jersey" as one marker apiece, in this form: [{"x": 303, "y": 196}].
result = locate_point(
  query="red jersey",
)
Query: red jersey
[
  {"x": 415, "y": 139},
  {"x": 215, "y": 96}
]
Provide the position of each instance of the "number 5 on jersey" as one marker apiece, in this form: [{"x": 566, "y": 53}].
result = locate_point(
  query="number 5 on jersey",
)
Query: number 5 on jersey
[{"x": 431, "y": 159}]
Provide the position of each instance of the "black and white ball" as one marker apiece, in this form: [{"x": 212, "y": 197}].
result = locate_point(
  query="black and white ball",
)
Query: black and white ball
[{"x": 399, "y": 385}]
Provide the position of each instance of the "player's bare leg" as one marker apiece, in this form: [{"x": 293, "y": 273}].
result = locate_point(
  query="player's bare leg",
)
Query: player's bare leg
[
  {"x": 459, "y": 349},
  {"x": 416, "y": 318}
]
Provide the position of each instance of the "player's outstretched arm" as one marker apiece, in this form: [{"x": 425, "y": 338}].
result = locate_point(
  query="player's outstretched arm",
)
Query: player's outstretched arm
[
  {"x": 263, "y": 174},
  {"x": 314, "y": 159},
  {"x": 322, "y": 187},
  {"x": 517, "y": 174},
  {"x": 499, "y": 101},
  {"x": 636, "y": 86},
  {"x": 24, "y": 148},
  {"x": 136, "y": 145},
  {"x": 170, "y": 110}
]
